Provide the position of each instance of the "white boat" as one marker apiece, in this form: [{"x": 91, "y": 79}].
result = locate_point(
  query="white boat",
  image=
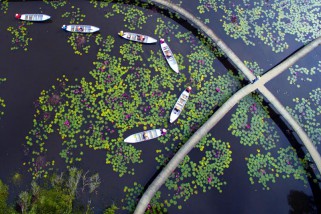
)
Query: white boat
[
  {"x": 80, "y": 28},
  {"x": 169, "y": 56},
  {"x": 178, "y": 108},
  {"x": 32, "y": 17},
  {"x": 145, "y": 135},
  {"x": 137, "y": 37}
]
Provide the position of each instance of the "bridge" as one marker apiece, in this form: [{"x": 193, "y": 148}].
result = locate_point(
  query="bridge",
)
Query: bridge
[{"x": 230, "y": 103}]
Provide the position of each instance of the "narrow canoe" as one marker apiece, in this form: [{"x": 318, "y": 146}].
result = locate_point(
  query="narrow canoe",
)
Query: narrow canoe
[
  {"x": 144, "y": 136},
  {"x": 33, "y": 17},
  {"x": 169, "y": 56},
  {"x": 178, "y": 108},
  {"x": 137, "y": 37},
  {"x": 80, "y": 28}
]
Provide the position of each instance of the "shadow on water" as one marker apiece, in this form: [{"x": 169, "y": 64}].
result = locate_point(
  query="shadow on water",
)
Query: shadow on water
[{"x": 301, "y": 203}]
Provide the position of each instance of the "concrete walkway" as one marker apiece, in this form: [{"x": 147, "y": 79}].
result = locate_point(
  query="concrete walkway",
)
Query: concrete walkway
[{"x": 220, "y": 113}]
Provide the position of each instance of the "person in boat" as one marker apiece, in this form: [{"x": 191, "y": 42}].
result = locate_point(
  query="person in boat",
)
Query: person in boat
[
  {"x": 80, "y": 29},
  {"x": 163, "y": 131},
  {"x": 189, "y": 89},
  {"x": 168, "y": 54},
  {"x": 142, "y": 38},
  {"x": 145, "y": 136},
  {"x": 162, "y": 41},
  {"x": 177, "y": 108}
]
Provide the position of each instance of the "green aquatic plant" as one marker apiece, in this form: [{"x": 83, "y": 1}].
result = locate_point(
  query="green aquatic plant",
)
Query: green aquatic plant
[
  {"x": 20, "y": 36},
  {"x": 56, "y": 4},
  {"x": 307, "y": 112},
  {"x": 266, "y": 169},
  {"x": 268, "y": 21},
  {"x": 80, "y": 43},
  {"x": 2, "y": 103},
  {"x": 165, "y": 30},
  {"x": 251, "y": 123},
  {"x": 302, "y": 74},
  {"x": 193, "y": 177},
  {"x": 134, "y": 17},
  {"x": 4, "y": 5}
]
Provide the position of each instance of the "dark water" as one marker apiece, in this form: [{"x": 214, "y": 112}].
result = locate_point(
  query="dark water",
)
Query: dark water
[{"x": 49, "y": 57}]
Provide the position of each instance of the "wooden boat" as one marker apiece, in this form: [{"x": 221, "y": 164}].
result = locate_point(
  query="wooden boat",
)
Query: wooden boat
[
  {"x": 169, "y": 56},
  {"x": 178, "y": 108},
  {"x": 80, "y": 28},
  {"x": 137, "y": 37},
  {"x": 144, "y": 136},
  {"x": 32, "y": 17}
]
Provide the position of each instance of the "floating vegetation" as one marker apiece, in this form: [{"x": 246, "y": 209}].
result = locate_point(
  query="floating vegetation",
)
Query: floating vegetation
[
  {"x": 56, "y": 4},
  {"x": 307, "y": 112},
  {"x": 80, "y": 42},
  {"x": 254, "y": 68},
  {"x": 190, "y": 177},
  {"x": 269, "y": 21},
  {"x": 250, "y": 123},
  {"x": 165, "y": 30},
  {"x": 132, "y": 197},
  {"x": 266, "y": 169},
  {"x": 4, "y": 5},
  {"x": 20, "y": 38},
  {"x": 2, "y": 104},
  {"x": 207, "y": 6},
  {"x": 134, "y": 17},
  {"x": 302, "y": 74}
]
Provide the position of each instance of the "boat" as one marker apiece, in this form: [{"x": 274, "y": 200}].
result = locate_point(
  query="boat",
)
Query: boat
[
  {"x": 169, "y": 55},
  {"x": 145, "y": 135},
  {"x": 32, "y": 17},
  {"x": 80, "y": 28},
  {"x": 178, "y": 108},
  {"x": 137, "y": 37}
]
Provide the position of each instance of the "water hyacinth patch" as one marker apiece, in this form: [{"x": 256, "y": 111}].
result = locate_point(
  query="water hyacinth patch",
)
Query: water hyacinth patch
[
  {"x": 266, "y": 169},
  {"x": 132, "y": 197},
  {"x": 302, "y": 74},
  {"x": 269, "y": 21},
  {"x": 189, "y": 178},
  {"x": 4, "y": 5},
  {"x": 251, "y": 123},
  {"x": 20, "y": 37},
  {"x": 2, "y": 103},
  {"x": 79, "y": 42},
  {"x": 56, "y": 4},
  {"x": 134, "y": 17},
  {"x": 307, "y": 113}
]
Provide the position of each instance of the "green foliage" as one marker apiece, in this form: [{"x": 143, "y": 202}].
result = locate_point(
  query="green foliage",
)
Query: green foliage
[
  {"x": 134, "y": 17},
  {"x": 4, "y": 5},
  {"x": 269, "y": 21},
  {"x": 2, "y": 103},
  {"x": 307, "y": 112},
  {"x": 4, "y": 207},
  {"x": 266, "y": 169},
  {"x": 302, "y": 74},
  {"x": 56, "y": 4},
  {"x": 250, "y": 123},
  {"x": 80, "y": 43},
  {"x": 20, "y": 38},
  {"x": 111, "y": 210}
]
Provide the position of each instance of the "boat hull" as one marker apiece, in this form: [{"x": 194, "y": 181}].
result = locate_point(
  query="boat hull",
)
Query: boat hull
[
  {"x": 34, "y": 17},
  {"x": 82, "y": 28},
  {"x": 138, "y": 38},
  {"x": 139, "y": 137},
  {"x": 169, "y": 57},
  {"x": 179, "y": 105}
]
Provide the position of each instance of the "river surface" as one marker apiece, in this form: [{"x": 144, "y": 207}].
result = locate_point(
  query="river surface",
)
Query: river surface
[{"x": 49, "y": 57}]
